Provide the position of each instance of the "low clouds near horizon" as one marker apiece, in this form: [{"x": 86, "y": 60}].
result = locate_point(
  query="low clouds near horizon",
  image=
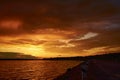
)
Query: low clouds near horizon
[{"x": 14, "y": 55}]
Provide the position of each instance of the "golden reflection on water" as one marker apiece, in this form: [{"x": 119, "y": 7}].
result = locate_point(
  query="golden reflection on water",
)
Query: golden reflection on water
[{"x": 33, "y": 69}]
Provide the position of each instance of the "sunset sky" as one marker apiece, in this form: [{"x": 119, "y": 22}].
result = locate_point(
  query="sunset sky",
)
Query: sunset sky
[{"x": 57, "y": 28}]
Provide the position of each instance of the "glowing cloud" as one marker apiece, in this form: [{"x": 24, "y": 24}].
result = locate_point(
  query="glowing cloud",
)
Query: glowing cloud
[
  {"x": 10, "y": 24},
  {"x": 89, "y": 35},
  {"x": 48, "y": 28}
]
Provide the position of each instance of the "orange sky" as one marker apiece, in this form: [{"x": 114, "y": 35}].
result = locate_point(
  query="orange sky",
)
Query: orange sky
[{"x": 60, "y": 28}]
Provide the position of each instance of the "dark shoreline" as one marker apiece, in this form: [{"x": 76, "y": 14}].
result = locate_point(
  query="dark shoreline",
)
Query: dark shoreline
[
  {"x": 93, "y": 71},
  {"x": 110, "y": 56}
]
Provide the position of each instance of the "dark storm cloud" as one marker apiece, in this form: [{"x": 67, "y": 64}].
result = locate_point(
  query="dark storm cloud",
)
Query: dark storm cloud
[{"x": 57, "y": 14}]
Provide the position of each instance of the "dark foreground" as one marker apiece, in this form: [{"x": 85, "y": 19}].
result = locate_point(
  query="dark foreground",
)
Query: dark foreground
[{"x": 93, "y": 70}]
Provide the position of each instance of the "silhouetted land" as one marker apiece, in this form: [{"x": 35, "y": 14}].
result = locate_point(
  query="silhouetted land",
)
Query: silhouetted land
[
  {"x": 110, "y": 56},
  {"x": 99, "y": 67},
  {"x": 93, "y": 70},
  {"x": 20, "y": 56}
]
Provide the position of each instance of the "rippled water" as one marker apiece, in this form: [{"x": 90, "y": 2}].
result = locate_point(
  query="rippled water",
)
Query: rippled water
[{"x": 33, "y": 69}]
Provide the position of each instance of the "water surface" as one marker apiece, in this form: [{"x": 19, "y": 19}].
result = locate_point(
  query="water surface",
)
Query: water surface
[{"x": 33, "y": 69}]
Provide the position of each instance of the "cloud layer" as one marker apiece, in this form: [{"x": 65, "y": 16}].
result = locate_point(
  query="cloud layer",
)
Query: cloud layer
[
  {"x": 11, "y": 55},
  {"x": 60, "y": 27}
]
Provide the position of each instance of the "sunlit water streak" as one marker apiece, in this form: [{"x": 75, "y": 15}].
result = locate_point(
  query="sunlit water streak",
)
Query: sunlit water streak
[{"x": 33, "y": 69}]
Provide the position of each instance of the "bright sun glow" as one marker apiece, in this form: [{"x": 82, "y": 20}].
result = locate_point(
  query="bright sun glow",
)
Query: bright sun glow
[{"x": 27, "y": 49}]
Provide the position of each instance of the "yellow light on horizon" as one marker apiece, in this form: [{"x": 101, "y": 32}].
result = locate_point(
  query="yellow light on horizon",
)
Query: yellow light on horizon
[{"x": 26, "y": 49}]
